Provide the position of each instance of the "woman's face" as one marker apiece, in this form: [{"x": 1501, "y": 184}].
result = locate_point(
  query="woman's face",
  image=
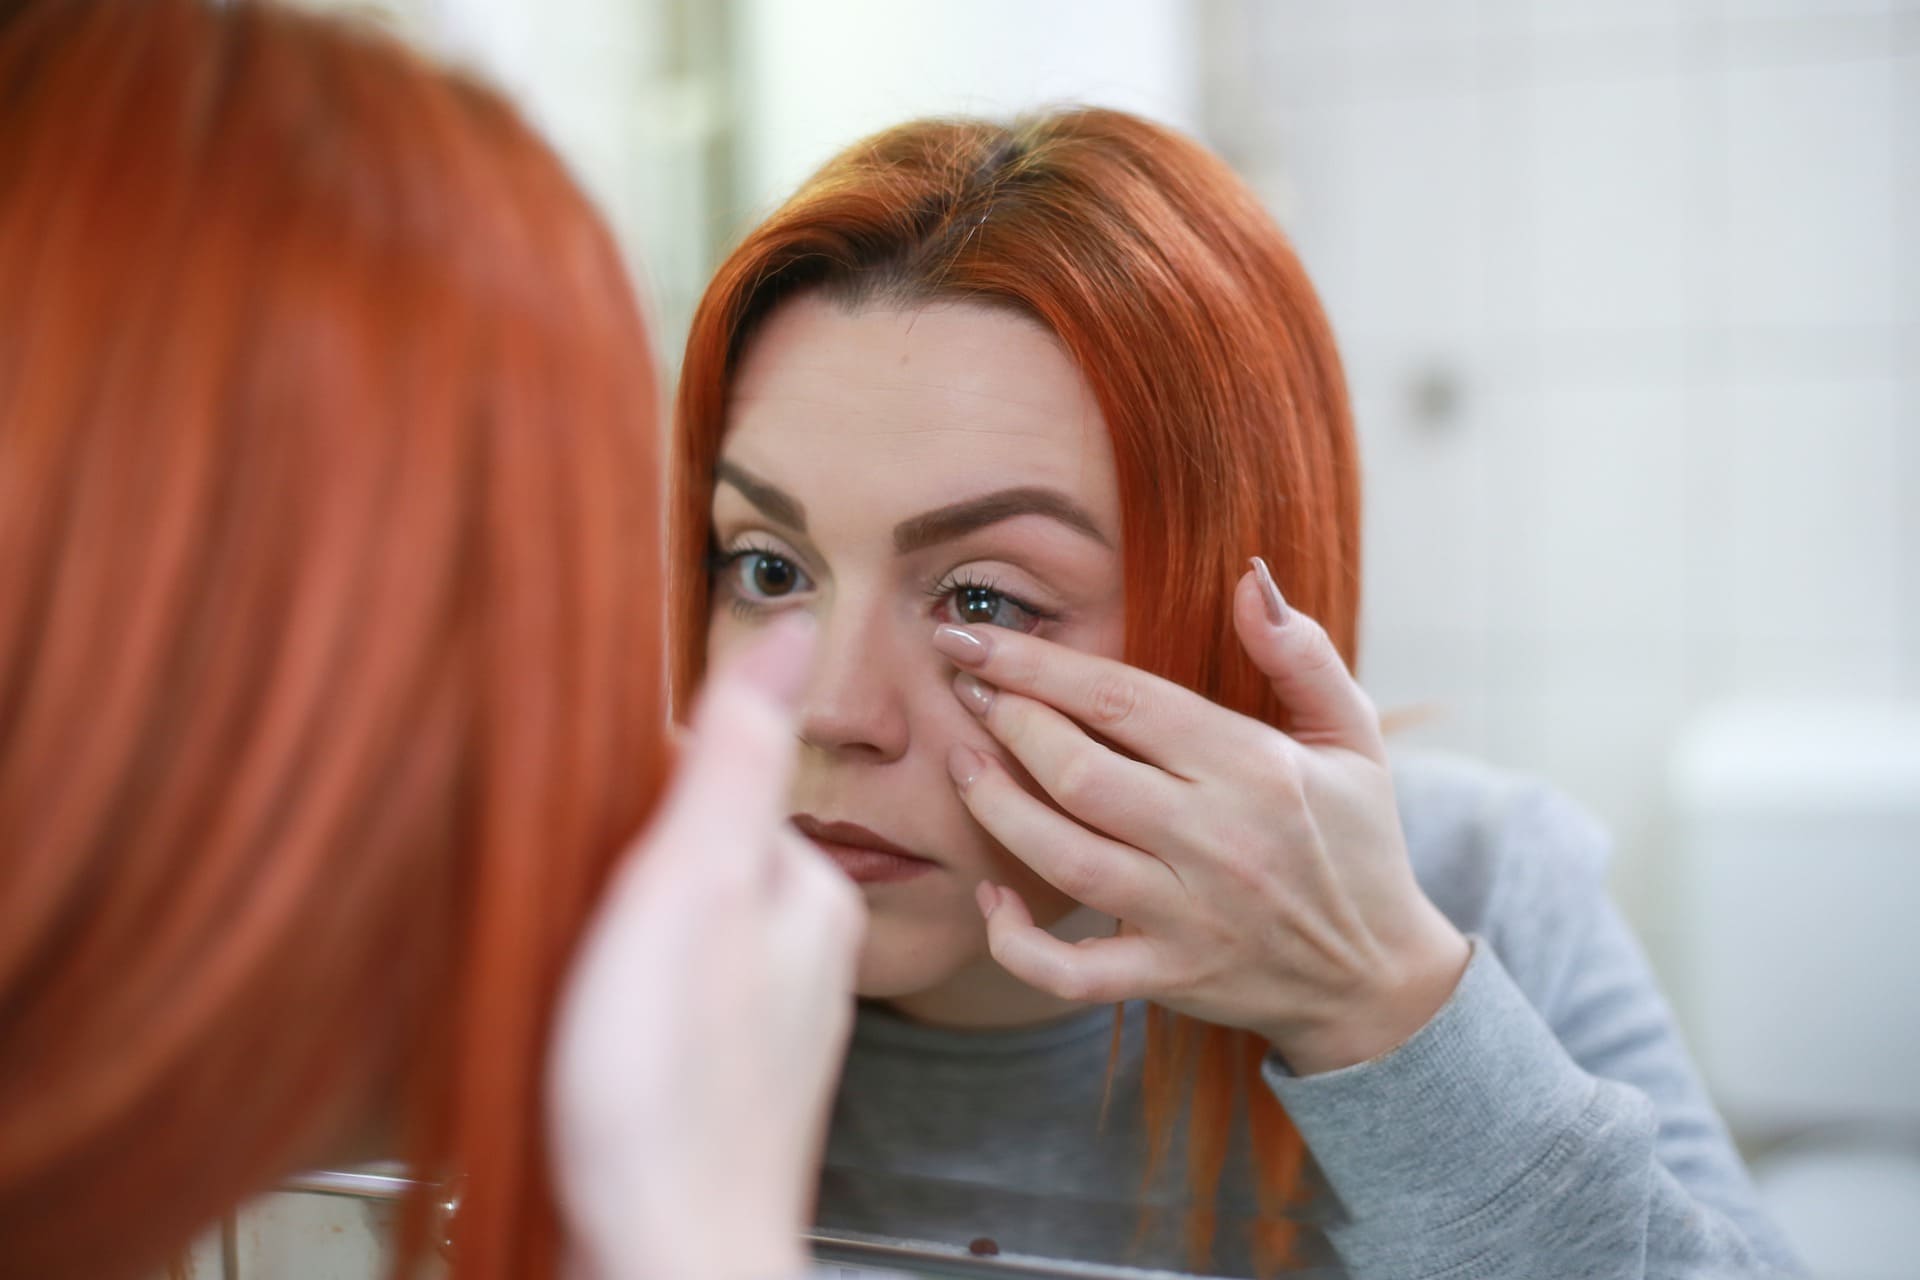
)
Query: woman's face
[{"x": 889, "y": 470}]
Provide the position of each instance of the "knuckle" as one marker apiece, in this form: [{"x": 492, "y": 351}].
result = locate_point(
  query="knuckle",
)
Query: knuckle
[
  {"x": 1317, "y": 656},
  {"x": 1111, "y": 699},
  {"x": 1076, "y": 875},
  {"x": 1010, "y": 718},
  {"x": 1083, "y": 877},
  {"x": 1069, "y": 983},
  {"x": 1078, "y": 783}
]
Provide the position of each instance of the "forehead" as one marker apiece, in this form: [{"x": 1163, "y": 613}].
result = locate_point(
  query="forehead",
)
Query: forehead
[{"x": 915, "y": 406}]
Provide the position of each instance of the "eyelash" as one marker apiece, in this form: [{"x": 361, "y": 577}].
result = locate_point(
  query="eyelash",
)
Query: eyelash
[
  {"x": 954, "y": 583},
  {"x": 721, "y": 562}
]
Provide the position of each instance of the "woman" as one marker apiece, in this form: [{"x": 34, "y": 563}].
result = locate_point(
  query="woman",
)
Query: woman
[
  {"x": 1007, "y": 410},
  {"x": 331, "y": 686}
]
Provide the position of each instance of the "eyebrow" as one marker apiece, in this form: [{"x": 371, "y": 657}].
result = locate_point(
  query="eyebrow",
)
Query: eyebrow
[
  {"x": 942, "y": 524},
  {"x": 774, "y": 503},
  {"x": 958, "y": 519}
]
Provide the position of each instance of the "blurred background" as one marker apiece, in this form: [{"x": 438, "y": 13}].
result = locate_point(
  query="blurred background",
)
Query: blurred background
[{"x": 1629, "y": 293}]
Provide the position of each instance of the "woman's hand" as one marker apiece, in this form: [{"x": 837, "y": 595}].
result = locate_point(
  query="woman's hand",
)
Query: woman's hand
[
  {"x": 1261, "y": 878},
  {"x": 704, "y": 1023}
]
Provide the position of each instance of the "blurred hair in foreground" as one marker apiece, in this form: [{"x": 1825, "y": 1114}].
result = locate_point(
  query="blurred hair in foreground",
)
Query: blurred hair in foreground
[{"x": 330, "y": 628}]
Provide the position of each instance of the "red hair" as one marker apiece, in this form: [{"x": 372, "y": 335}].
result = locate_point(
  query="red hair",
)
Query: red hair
[
  {"x": 1214, "y": 365},
  {"x": 331, "y": 670}
]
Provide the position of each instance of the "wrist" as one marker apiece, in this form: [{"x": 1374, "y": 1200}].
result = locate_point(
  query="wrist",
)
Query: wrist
[{"x": 1391, "y": 1012}]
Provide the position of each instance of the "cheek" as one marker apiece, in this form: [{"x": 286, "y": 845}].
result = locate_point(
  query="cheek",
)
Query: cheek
[
  {"x": 725, "y": 632},
  {"x": 941, "y": 723}
]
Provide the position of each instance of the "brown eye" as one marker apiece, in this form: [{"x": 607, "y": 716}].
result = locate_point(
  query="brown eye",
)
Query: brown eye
[
  {"x": 757, "y": 577},
  {"x": 977, "y": 604},
  {"x": 974, "y": 604},
  {"x": 771, "y": 576}
]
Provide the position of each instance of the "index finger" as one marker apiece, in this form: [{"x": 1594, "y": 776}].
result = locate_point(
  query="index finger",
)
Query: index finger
[
  {"x": 1151, "y": 718},
  {"x": 729, "y": 791}
]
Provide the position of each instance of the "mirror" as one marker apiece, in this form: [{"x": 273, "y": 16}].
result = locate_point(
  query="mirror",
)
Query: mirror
[{"x": 330, "y": 1224}]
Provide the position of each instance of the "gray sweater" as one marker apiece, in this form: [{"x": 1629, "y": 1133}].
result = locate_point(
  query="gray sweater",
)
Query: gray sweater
[{"x": 1546, "y": 1123}]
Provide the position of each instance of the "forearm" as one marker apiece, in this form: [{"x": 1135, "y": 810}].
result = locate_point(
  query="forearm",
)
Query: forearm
[{"x": 1480, "y": 1146}]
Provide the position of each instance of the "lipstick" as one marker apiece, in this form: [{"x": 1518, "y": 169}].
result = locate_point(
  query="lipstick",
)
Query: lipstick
[{"x": 866, "y": 856}]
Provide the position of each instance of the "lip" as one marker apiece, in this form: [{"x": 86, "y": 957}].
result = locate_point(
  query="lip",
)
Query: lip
[{"x": 866, "y": 856}]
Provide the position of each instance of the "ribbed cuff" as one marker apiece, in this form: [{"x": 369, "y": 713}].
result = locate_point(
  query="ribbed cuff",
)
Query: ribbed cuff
[{"x": 1442, "y": 1125}]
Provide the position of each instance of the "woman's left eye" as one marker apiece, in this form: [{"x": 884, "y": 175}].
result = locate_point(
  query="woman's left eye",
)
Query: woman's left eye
[{"x": 975, "y": 605}]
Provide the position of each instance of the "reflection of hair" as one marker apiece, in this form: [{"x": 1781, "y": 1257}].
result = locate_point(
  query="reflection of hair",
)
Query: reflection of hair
[
  {"x": 329, "y": 638},
  {"x": 1216, "y": 371}
]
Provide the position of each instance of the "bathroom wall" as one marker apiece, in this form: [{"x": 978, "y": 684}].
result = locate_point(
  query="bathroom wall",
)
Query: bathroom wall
[
  {"x": 1627, "y": 291},
  {"x": 812, "y": 77},
  {"x": 1630, "y": 297}
]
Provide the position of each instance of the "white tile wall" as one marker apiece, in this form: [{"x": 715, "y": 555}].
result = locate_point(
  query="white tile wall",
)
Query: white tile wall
[
  {"x": 1804, "y": 531},
  {"x": 1509, "y": 212},
  {"x": 1615, "y": 195},
  {"x": 1431, "y": 686},
  {"x": 1607, "y": 512},
  {"x": 1806, "y": 10},
  {"x": 1586, "y": 17},
  {"x": 813, "y": 77},
  {"x": 1421, "y": 276},
  {"x": 1809, "y": 167},
  {"x": 1594, "y": 712},
  {"x": 1399, "y": 23},
  {"x": 1670, "y": 250},
  {"x": 1433, "y": 478}
]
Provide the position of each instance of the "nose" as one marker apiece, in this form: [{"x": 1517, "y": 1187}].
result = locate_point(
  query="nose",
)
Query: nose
[{"x": 855, "y": 707}]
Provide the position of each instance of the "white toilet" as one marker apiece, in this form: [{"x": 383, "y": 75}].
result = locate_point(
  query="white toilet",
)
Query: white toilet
[{"x": 1797, "y": 862}]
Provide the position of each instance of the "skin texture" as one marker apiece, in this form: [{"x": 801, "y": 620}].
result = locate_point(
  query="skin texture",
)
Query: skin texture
[
  {"x": 1262, "y": 878},
  {"x": 933, "y": 405},
  {"x": 684, "y": 1144}
]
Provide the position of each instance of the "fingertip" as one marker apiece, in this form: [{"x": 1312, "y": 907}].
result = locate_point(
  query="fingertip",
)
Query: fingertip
[
  {"x": 1251, "y": 616},
  {"x": 778, "y": 660},
  {"x": 1271, "y": 600},
  {"x": 1008, "y": 900},
  {"x": 964, "y": 766}
]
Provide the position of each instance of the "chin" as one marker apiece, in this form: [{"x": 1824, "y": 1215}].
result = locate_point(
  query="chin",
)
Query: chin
[{"x": 903, "y": 959}]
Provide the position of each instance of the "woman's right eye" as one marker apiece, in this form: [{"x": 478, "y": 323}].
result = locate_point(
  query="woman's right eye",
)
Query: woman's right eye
[{"x": 762, "y": 576}]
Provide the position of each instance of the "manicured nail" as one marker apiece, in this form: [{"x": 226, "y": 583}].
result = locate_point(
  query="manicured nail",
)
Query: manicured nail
[
  {"x": 1270, "y": 592},
  {"x": 975, "y": 692},
  {"x": 961, "y": 646},
  {"x": 987, "y": 897},
  {"x": 964, "y": 764}
]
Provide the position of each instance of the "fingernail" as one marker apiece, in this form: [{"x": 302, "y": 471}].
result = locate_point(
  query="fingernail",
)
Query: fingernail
[
  {"x": 986, "y": 897},
  {"x": 1270, "y": 592},
  {"x": 780, "y": 658},
  {"x": 961, "y": 646},
  {"x": 975, "y": 692},
  {"x": 963, "y": 765}
]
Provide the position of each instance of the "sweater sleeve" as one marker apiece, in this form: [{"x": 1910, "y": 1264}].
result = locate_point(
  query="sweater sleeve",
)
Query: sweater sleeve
[{"x": 1547, "y": 1120}]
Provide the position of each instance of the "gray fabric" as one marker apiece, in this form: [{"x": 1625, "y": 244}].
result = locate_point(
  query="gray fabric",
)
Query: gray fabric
[{"x": 1545, "y": 1123}]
